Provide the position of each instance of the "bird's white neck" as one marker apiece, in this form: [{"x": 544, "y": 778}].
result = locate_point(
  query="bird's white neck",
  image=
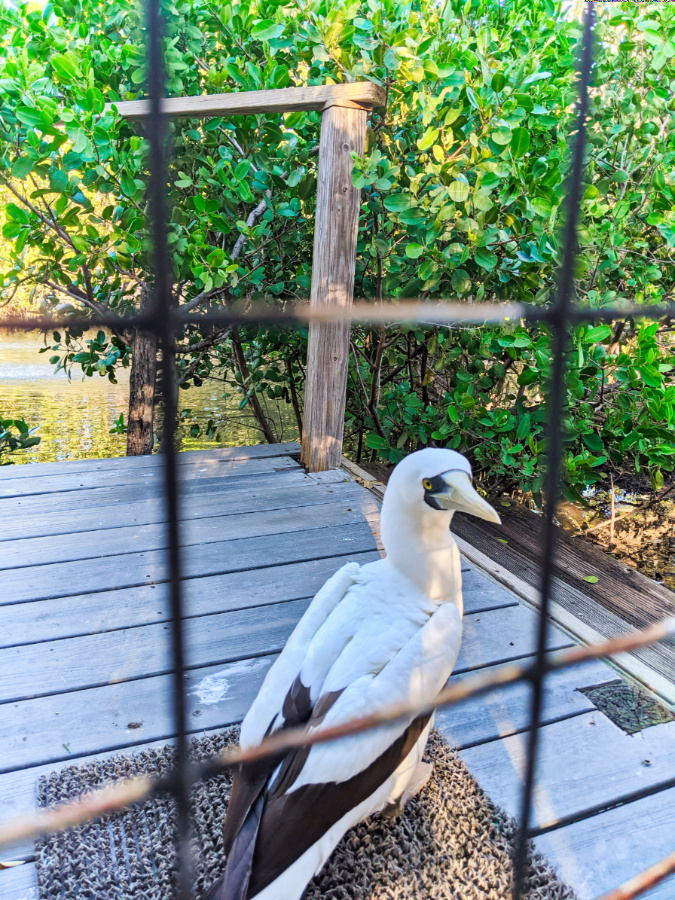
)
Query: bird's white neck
[{"x": 419, "y": 544}]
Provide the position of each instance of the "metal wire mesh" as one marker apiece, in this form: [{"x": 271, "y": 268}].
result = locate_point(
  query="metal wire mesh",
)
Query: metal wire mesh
[{"x": 163, "y": 319}]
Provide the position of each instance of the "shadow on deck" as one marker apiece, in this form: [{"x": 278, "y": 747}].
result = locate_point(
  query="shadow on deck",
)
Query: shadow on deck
[{"x": 84, "y": 632}]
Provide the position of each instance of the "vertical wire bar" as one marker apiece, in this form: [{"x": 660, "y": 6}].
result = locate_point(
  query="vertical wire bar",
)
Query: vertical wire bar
[
  {"x": 163, "y": 326},
  {"x": 559, "y": 325}
]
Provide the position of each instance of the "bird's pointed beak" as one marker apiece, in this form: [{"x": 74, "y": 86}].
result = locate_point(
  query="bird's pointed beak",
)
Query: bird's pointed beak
[{"x": 461, "y": 496}]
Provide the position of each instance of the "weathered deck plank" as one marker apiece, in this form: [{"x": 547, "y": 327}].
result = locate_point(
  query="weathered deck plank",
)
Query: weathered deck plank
[
  {"x": 622, "y": 842},
  {"x": 133, "y": 569},
  {"x": 298, "y": 490},
  {"x": 120, "y": 463},
  {"x": 81, "y": 614},
  {"x": 507, "y": 711},
  {"x": 193, "y": 533},
  {"x": 19, "y": 883},
  {"x": 70, "y": 664},
  {"x": 67, "y": 617},
  {"x": 149, "y": 477},
  {"x": 584, "y": 761}
]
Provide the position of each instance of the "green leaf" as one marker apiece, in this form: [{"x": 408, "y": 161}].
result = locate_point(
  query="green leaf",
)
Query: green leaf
[
  {"x": 538, "y": 76},
  {"x": 17, "y": 214},
  {"x": 542, "y": 206},
  {"x": 486, "y": 259},
  {"x": 594, "y": 442},
  {"x": 458, "y": 191},
  {"x": 461, "y": 282},
  {"x": 428, "y": 139},
  {"x": 591, "y": 579},
  {"x": 22, "y": 166},
  {"x": 524, "y": 427},
  {"x": 66, "y": 67},
  {"x": 216, "y": 257},
  {"x": 128, "y": 185},
  {"x": 398, "y": 202},
  {"x": 598, "y": 334},
  {"x": 520, "y": 142},
  {"x": 471, "y": 97},
  {"x": 29, "y": 116},
  {"x": 413, "y": 251},
  {"x": 11, "y": 230},
  {"x": 58, "y": 180},
  {"x": 650, "y": 376},
  {"x": 502, "y": 136},
  {"x": 498, "y": 82},
  {"x": 266, "y": 30},
  {"x": 375, "y": 442}
]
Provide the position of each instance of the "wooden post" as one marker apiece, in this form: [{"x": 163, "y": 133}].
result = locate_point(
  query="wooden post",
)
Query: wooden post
[{"x": 343, "y": 132}]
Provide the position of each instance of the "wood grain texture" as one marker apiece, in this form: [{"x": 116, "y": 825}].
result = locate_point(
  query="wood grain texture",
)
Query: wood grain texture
[
  {"x": 75, "y": 466},
  {"x": 74, "y": 502},
  {"x": 603, "y": 852},
  {"x": 55, "y": 667},
  {"x": 297, "y": 492},
  {"x": 507, "y": 710},
  {"x": 343, "y": 132},
  {"x": 244, "y": 103},
  {"x": 582, "y": 761},
  {"x": 19, "y": 883},
  {"x": 624, "y": 591},
  {"x": 192, "y": 532},
  {"x": 149, "y": 567},
  {"x": 65, "y": 617},
  {"x": 126, "y": 714},
  {"x": 148, "y": 476},
  {"x": 588, "y": 622}
]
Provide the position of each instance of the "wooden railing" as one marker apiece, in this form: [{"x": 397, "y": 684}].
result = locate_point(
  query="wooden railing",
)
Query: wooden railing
[{"x": 344, "y": 109}]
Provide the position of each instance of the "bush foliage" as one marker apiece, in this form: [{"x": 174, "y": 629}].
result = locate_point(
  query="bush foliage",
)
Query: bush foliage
[{"x": 462, "y": 191}]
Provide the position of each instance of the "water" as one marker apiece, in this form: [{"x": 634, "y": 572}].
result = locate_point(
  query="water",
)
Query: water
[{"x": 74, "y": 416}]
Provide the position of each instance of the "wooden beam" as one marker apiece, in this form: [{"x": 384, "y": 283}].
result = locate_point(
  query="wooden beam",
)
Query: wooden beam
[
  {"x": 363, "y": 94},
  {"x": 343, "y": 132}
]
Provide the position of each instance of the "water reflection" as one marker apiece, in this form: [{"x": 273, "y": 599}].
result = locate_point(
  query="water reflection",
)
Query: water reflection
[{"x": 75, "y": 416}]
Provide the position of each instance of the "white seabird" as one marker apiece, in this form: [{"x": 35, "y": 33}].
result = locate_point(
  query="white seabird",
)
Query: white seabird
[{"x": 373, "y": 635}]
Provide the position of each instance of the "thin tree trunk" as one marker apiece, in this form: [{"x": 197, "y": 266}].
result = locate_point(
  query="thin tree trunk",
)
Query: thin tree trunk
[
  {"x": 294, "y": 395},
  {"x": 142, "y": 394},
  {"x": 253, "y": 399}
]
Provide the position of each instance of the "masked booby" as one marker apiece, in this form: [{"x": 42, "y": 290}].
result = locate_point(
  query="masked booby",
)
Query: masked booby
[{"x": 375, "y": 634}]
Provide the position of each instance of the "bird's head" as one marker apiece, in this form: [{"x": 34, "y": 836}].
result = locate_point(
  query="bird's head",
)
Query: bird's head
[{"x": 435, "y": 479}]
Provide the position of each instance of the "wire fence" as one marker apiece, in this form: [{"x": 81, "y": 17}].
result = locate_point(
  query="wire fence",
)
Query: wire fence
[{"x": 164, "y": 320}]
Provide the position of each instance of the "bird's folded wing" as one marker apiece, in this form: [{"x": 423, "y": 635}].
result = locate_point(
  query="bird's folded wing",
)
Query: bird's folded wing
[
  {"x": 265, "y": 714},
  {"x": 316, "y": 788},
  {"x": 416, "y": 674}
]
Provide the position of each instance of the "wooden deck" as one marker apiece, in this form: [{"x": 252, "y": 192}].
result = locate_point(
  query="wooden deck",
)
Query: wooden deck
[{"x": 84, "y": 627}]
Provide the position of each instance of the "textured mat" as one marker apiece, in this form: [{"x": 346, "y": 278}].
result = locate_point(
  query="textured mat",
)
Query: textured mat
[
  {"x": 451, "y": 843},
  {"x": 628, "y": 706}
]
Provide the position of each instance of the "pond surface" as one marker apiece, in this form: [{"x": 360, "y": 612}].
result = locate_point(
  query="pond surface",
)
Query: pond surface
[{"x": 74, "y": 416}]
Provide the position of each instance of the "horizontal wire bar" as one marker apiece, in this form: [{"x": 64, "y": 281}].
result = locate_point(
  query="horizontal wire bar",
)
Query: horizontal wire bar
[
  {"x": 432, "y": 313},
  {"x": 124, "y": 793},
  {"x": 647, "y": 879}
]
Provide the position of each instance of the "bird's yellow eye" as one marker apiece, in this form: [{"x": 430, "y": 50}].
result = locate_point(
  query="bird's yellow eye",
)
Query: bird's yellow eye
[{"x": 427, "y": 484}]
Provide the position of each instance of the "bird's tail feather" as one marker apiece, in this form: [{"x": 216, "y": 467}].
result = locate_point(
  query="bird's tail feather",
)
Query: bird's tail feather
[{"x": 233, "y": 883}]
